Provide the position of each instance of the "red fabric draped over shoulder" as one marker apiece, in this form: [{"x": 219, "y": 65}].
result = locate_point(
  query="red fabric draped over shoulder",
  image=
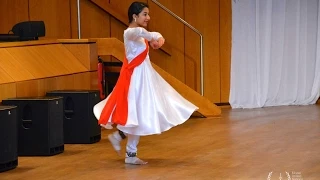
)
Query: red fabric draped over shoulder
[{"x": 118, "y": 99}]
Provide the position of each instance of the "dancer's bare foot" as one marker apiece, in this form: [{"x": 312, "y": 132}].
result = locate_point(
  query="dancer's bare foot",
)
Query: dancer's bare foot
[
  {"x": 134, "y": 160},
  {"x": 115, "y": 144}
]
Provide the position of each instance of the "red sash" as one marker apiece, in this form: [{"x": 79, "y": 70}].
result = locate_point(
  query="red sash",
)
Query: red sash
[{"x": 118, "y": 100}]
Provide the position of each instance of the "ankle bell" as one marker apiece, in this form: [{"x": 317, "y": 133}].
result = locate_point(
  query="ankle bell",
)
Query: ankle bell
[{"x": 131, "y": 154}]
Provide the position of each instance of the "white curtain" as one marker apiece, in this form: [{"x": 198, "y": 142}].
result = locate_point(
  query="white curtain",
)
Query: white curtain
[{"x": 275, "y": 53}]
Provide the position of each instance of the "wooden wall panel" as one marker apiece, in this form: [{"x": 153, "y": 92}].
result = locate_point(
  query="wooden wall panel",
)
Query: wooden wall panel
[
  {"x": 63, "y": 57},
  {"x": 192, "y": 43},
  {"x": 86, "y": 53},
  {"x": 39, "y": 87},
  {"x": 211, "y": 33},
  {"x": 82, "y": 81},
  {"x": 122, "y": 6},
  {"x": 116, "y": 26},
  {"x": 28, "y": 88},
  {"x": 46, "y": 60},
  {"x": 46, "y": 84},
  {"x": 65, "y": 82},
  {"x": 13, "y": 67},
  {"x": 11, "y": 13},
  {"x": 74, "y": 18},
  {"x": 173, "y": 31},
  {"x": 211, "y": 17},
  {"x": 225, "y": 48},
  {"x": 116, "y": 31},
  {"x": 192, "y": 59},
  {"x": 4, "y": 77},
  {"x": 55, "y": 14},
  {"x": 95, "y": 23},
  {"x": 74, "y": 81},
  {"x": 158, "y": 57},
  {"x": 7, "y": 91},
  {"x": 204, "y": 16},
  {"x": 94, "y": 80}
]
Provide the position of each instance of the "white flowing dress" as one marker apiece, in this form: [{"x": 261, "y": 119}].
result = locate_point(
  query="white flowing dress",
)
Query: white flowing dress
[{"x": 153, "y": 105}]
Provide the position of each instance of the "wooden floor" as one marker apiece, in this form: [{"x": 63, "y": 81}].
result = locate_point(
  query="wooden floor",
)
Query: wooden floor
[{"x": 241, "y": 144}]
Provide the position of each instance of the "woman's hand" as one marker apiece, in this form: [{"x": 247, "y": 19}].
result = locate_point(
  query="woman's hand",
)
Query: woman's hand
[
  {"x": 156, "y": 44},
  {"x": 161, "y": 41}
]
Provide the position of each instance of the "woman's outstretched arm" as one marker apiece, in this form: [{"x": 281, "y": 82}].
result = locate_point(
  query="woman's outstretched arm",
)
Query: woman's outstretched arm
[{"x": 135, "y": 33}]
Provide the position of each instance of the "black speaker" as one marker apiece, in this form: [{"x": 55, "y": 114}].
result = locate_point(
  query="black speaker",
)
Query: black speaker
[
  {"x": 29, "y": 30},
  {"x": 25, "y": 31},
  {"x": 40, "y": 125},
  {"x": 8, "y": 138},
  {"x": 80, "y": 124}
]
